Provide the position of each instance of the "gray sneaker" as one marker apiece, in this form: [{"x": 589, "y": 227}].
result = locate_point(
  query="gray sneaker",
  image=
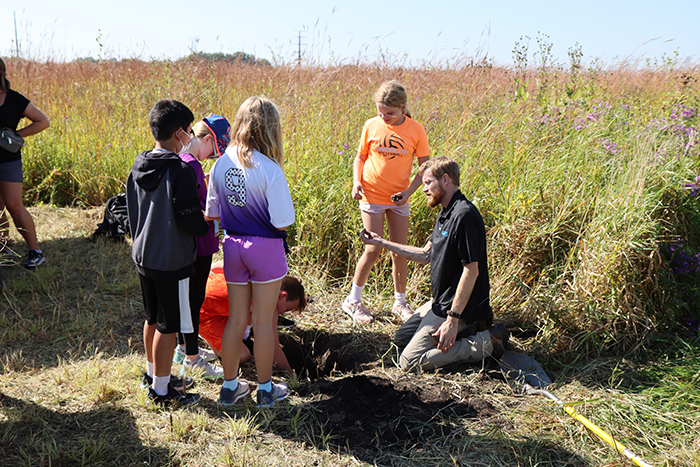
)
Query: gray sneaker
[
  {"x": 208, "y": 370},
  {"x": 268, "y": 399},
  {"x": 228, "y": 397},
  {"x": 208, "y": 355}
]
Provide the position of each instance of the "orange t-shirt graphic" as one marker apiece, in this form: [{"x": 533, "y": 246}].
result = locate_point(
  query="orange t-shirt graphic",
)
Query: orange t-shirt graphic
[{"x": 390, "y": 150}]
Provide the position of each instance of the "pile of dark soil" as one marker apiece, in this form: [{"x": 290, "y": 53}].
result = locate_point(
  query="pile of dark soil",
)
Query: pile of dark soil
[
  {"x": 372, "y": 413},
  {"x": 368, "y": 411}
]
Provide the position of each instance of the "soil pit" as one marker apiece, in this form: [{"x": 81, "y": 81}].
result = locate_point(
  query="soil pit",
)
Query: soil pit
[{"x": 315, "y": 354}]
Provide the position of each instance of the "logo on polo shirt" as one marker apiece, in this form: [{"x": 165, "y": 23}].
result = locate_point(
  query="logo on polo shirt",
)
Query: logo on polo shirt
[{"x": 445, "y": 233}]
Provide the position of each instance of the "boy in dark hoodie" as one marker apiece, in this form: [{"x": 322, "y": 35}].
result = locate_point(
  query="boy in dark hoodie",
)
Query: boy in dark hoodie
[{"x": 164, "y": 217}]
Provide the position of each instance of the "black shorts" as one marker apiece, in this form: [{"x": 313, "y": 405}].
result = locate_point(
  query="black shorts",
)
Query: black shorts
[
  {"x": 167, "y": 304},
  {"x": 11, "y": 172}
]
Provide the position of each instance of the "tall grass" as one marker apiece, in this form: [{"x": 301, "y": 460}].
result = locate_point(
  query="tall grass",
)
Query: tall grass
[{"x": 580, "y": 175}]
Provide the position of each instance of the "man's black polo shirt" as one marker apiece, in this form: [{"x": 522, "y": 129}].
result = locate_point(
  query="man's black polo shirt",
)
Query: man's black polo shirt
[{"x": 459, "y": 238}]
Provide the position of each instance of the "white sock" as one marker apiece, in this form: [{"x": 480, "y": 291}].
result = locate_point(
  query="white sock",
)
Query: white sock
[
  {"x": 149, "y": 369},
  {"x": 355, "y": 293},
  {"x": 399, "y": 298},
  {"x": 160, "y": 384}
]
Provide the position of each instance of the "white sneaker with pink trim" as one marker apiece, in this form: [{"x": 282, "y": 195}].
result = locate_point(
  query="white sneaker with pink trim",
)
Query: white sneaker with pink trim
[
  {"x": 357, "y": 311},
  {"x": 403, "y": 311}
]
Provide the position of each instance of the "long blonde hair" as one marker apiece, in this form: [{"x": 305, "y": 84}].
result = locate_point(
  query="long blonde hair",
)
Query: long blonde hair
[
  {"x": 200, "y": 130},
  {"x": 392, "y": 94},
  {"x": 257, "y": 126}
]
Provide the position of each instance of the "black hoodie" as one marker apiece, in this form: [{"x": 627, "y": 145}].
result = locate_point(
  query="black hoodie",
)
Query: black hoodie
[{"x": 164, "y": 215}]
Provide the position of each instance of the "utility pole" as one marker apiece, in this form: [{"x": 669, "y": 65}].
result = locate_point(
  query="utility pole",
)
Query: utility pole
[
  {"x": 16, "y": 37},
  {"x": 299, "y": 44}
]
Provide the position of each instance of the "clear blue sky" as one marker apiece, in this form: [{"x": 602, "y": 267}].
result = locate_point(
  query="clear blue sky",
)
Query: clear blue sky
[{"x": 414, "y": 32}]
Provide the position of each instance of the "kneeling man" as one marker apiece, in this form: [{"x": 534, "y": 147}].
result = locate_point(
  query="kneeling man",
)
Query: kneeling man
[{"x": 456, "y": 325}]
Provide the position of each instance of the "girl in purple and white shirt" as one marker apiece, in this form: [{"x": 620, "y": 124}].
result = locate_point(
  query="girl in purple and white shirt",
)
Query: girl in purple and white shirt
[{"x": 248, "y": 193}]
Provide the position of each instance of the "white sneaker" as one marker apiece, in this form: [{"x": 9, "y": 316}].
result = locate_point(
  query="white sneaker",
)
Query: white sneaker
[
  {"x": 208, "y": 370},
  {"x": 357, "y": 311},
  {"x": 403, "y": 311},
  {"x": 179, "y": 354},
  {"x": 207, "y": 354}
]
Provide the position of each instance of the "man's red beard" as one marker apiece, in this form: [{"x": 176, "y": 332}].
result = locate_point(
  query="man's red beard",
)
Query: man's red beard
[{"x": 434, "y": 200}]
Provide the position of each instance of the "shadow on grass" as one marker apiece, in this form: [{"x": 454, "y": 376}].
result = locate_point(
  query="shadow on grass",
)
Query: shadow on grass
[
  {"x": 85, "y": 295},
  {"x": 34, "y": 435}
]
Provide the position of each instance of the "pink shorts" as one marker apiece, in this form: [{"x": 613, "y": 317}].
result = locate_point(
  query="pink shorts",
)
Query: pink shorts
[
  {"x": 403, "y": 210},
  {"x": 253, "y": 259}
]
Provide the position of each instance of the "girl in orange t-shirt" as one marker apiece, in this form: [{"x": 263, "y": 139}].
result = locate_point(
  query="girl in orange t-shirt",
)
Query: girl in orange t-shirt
[{"x": 382, "y": 183}]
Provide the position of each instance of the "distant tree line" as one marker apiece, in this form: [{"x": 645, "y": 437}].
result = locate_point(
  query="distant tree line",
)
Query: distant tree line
[{"x": 238, "y": 57}]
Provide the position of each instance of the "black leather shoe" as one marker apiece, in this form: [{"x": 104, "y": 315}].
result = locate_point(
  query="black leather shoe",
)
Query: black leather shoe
[{"x": 499, "y": 339}]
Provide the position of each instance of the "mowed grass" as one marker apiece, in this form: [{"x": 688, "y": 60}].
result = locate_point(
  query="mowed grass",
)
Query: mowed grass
[{"x": 586, "y": 180}]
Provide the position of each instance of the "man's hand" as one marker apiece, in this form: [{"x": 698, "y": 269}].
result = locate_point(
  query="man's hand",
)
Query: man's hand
[
  {"x": 446, "y": 334},
  {"x": 370, "y": 238}
]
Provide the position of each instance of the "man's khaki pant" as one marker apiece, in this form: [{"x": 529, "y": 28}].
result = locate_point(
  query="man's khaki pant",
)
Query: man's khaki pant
[{"x": 422, "y": 351}]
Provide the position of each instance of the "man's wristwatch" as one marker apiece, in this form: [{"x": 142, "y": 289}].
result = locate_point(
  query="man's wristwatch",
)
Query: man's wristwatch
[{"x": 454, "y": 314}]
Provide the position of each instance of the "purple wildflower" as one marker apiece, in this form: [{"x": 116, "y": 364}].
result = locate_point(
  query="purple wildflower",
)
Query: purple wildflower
[
  {"x": 682, "y": 111},
  {"x": 694, "y": 188},
  {"x": 609, "y": 146},
  {"x": 688, "y": 113},
  {"x": 683, "y": 261}
]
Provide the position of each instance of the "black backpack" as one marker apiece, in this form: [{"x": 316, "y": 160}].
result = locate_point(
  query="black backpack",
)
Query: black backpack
[{"x": 116, "y": 222}]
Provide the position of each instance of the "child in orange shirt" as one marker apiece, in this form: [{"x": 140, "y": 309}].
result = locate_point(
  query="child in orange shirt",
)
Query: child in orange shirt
[
  {"x": 382, "y": 183},
  {"x": 215, "y": 312}
]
